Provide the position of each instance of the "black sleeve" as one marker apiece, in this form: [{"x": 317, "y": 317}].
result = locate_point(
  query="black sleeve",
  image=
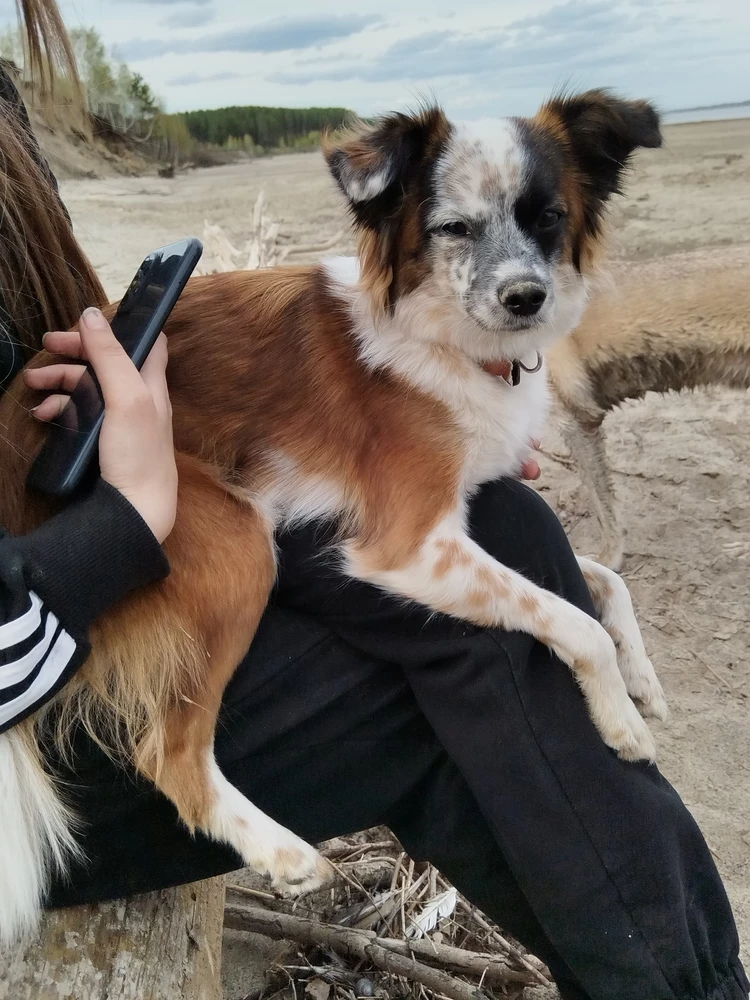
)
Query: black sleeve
[{"x": 55, "y": 582}]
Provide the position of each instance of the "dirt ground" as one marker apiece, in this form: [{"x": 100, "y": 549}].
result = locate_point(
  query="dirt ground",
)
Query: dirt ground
[{"x": 680, "y": 461}]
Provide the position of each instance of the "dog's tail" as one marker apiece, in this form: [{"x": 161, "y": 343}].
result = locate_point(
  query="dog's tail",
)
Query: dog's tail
[{"x": 35, "y": 834}]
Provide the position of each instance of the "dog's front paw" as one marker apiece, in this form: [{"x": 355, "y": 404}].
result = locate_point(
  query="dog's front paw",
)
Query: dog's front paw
[
  {"x": 649, "y": 698},
  {"x": 626, "y": 732},
  {"x": 615, "y": 715},
  {"x": 639, "y": 675}
]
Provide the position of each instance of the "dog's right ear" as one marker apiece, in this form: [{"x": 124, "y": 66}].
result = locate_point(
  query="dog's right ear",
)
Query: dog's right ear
[{"x": 373, "y": 163}]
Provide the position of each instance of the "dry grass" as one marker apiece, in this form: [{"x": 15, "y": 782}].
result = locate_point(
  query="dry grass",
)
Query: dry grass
[{"x": 388, "y": 927}]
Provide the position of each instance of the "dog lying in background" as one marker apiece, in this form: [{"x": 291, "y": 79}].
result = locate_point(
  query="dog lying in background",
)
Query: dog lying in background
[
  {"x": 675, "y": 323},
  {"x": 379, "y": 392}
]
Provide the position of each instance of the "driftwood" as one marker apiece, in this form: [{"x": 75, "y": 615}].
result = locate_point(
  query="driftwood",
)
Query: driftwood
[
  {"x": 266, "y": 246},
  {"x": 263, "y": 248},
  {"x": 414, "y": 960},
  {"x": 219, "y": 253},
  {"x": 330, "y": 244},
  {"x": 160, "y": 946}
]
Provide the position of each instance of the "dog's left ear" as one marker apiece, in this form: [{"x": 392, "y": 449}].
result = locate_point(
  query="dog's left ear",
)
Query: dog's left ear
[{"x": 602, "y": 132}]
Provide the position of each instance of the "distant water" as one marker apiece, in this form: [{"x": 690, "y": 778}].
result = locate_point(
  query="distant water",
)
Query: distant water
[{"x": 720, "y": 113}]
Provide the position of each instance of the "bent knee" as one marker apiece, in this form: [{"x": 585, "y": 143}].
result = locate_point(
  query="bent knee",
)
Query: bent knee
[{"x": 517, "y": 526}]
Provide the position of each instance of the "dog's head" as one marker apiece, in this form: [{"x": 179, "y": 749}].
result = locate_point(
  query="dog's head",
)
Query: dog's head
[{"x": 499, "y": 220}]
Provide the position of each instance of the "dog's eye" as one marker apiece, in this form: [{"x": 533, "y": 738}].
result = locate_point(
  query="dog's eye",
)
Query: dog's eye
[
  {"x": 456, "y": 229},
  {"x": 548, "y": 219}
]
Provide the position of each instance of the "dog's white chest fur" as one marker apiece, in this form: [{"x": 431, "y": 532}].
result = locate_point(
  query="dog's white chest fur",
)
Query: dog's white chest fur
[{"x": 498, "y": 420}]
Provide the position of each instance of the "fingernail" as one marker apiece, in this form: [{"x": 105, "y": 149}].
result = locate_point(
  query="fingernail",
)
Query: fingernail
[
  {"x": 94, "y": 317},
  {"x": 44, "y": 339}
]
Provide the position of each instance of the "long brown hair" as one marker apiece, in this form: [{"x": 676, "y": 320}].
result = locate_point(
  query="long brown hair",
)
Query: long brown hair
[
  {"x": 47, "y": 43},
  {"x": 46, "y": 280}
]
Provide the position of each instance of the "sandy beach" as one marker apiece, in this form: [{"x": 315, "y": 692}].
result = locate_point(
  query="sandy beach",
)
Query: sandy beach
[{"x": 680, "y": 461}]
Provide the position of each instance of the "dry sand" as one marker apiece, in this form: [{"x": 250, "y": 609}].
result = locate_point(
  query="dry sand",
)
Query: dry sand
[{"x": 680, "y": 461}]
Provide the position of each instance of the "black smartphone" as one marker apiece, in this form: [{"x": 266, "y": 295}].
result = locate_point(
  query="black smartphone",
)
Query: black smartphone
[{"x": 70, "y": 453}]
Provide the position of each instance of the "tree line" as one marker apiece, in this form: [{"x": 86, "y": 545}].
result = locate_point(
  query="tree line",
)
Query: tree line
[{"x": 255, "y": 126}]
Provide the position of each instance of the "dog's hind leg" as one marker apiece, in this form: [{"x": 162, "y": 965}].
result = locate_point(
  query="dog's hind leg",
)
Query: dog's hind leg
[
  {"x": 197, "y": 626},
  {"x": 206, "y": 800},
  {"x": 614, "y": 606}
]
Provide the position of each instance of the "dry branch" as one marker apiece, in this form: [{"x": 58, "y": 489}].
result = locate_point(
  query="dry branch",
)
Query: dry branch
[
  {"x": 505, "y": 945},
  {"x": 401, "y": 958},
  {"x": 384, "y": 893},
  {"x": 219, "y": 251},
  {"x": 301, "y": 248}
]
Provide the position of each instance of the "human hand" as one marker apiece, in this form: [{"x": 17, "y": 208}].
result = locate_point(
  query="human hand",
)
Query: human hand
[
  {"x": 530, "y": 468},
  {"x": 136, "y": 453}
]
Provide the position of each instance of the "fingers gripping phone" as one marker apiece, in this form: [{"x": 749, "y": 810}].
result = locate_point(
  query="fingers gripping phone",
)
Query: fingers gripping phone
[{"x": 70, "y": 452}]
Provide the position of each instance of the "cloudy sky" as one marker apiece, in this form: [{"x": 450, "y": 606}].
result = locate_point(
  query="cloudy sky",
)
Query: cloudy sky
[{"x": 478, "y": 58}]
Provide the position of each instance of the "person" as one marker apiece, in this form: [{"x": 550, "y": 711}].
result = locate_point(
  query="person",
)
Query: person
[
  {"x": 351, "y": 711},
  {"x": 55, "y": 581}
]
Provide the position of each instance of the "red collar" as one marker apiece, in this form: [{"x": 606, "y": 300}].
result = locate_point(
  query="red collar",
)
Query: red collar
[
  {"x": 502, "y": 369},
  {"x": 510, "y": 371}
]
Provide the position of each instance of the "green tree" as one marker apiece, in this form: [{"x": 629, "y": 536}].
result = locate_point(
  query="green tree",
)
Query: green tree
[
  {"x": 114, "y": 93},
  {"x": 273, "y": 128},
  {"x": 143, "y": 96}
]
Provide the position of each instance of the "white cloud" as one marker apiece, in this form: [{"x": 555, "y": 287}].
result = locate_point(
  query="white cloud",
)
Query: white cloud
[{"x": 484, "y": 59}]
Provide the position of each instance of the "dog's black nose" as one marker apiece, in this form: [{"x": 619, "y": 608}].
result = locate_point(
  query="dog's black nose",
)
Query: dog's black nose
[{"x": 523, "y": 298}]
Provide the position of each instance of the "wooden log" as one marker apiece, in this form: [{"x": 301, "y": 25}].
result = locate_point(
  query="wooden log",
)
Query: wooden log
[{"x": 160, "y": 946}]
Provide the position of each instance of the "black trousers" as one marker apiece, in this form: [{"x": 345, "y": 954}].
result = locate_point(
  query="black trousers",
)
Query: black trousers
[{"x": 474, "y": 746}]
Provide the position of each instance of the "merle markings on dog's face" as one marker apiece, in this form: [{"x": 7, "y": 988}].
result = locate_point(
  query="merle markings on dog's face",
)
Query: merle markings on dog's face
[
  {"x": 497, "y": 223},
  {"x": 503, "y": 217}
]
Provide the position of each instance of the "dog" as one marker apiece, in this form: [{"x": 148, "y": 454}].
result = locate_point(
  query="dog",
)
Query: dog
[
  {"x": 377, "y": 391},
  {"x": 676, "y": 323}
]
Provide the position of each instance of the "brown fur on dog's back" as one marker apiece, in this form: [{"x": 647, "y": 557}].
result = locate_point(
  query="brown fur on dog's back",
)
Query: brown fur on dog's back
[
  {"x": 200, "y": 619},
  {"x": 279, "y": 346}
]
